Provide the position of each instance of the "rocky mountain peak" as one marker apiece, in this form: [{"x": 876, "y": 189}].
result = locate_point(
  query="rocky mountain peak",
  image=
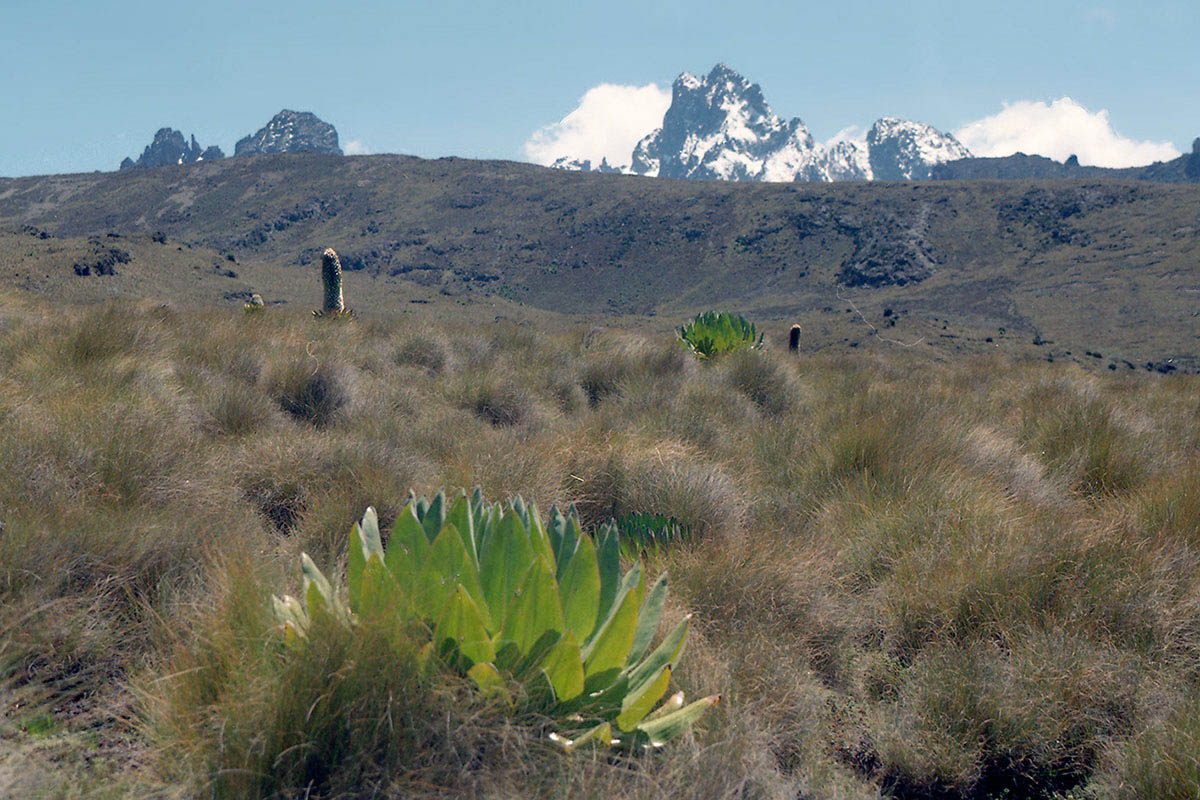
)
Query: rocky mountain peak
[
  {"x": 903, "y": 150},
  {"x": 290, "y": 132},
  {"x": 168, "y": 148},
  {"x": 720, "y": 127}
]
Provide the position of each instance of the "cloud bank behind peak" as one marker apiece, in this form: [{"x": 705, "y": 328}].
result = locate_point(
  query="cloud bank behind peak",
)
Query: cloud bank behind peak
[{"x": 608, "y": 121}]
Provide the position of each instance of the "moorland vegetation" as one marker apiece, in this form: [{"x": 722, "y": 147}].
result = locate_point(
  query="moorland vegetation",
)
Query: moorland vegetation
[{"x": 910, "y": 578}]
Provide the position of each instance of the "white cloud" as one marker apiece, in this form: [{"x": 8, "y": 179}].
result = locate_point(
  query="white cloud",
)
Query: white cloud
[
  {"x": 1058, "y": 130},
  {"x": 855, "y": 134},
  {"x": 609, "y": 120},
  {"x": 356, "y": 148}
]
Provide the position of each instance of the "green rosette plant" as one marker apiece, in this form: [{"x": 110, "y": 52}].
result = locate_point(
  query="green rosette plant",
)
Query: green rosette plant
[
  {"x": 712, "y": 333},
  {"x": 505, "y": 597}
]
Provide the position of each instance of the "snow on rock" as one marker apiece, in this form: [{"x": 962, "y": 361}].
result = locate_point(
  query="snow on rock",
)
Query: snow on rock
[
  {"x": 290, "y": 132},
  {"x": 901, "y": 150},
  {"x": 720, "y": 127},
  {"x": 569, "y": 164}
]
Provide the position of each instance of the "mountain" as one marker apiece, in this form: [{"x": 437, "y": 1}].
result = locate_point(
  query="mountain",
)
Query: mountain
[
  {"x": 291, "y": 132},
  {"x": 720, "y": 127},
  {"x": 901, "y": 150},
  {"x": 585, "y": 165},
  {"x": 1052, "y": 268},
  {"x": 168, "y": 148},
  {"x": 1185, "y": 169}
]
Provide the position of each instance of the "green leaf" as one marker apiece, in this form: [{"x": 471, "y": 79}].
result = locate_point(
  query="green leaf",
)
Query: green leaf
[
  {"x": 369, "y": 533},
  {"x": 563, "y": 667},
  {"x": 292, "y": 616},
  {"x": 378, "y": 589},
  {"x": 491, "y": 684},
  {"x": 608, "y": 559},
  {"x": 317, "y": 591},
  {"x": 666, "y": 654},
  {"x": 506, "y": 558},
  {"x": 460, "y": 633},
  {"x": 356, "y": 560},
  {"x": 533, "y": 621},
  {"x": 662, "y": 728},
  {"x": 648, "y": 618},
  {"x": 435, "y": 516},
  {"x": 459, "y": 516},
  {"x": 407, "y": 549},
  {"x": 448, "y": 567},
  {"x": 556, "y": 530},
  {"x": 579, "y": 589},
  {"x": 637, "y": 704},
  {"x": 672, "y": 703},
  {"x": 540, "y": 540},
  {"x": 601, "y": 735},
  {"x": 606, "y": 654}
]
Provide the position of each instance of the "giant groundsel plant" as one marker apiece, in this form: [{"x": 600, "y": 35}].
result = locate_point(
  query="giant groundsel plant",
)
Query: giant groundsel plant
[
  {"x": 505, "y": 596},
  {"x": 712, "y": 333}
]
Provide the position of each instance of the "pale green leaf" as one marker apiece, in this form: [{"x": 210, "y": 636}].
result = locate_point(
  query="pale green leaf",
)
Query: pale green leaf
[
  {"x": 662, "y": 728},
  {"x": 637, "y": 704},
  {"x": 579, "y": 588},
  {"x": 563, "y": 666},
  {"x": 460, "y": 631}
]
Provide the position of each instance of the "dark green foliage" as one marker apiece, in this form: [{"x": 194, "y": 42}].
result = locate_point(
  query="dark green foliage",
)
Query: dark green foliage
[
  {"x": 712, "y": 333},
  {"x": 648, "y": 531}
]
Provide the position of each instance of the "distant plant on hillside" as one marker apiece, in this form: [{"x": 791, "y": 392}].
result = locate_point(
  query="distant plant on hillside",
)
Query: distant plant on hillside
[
  {"x": 643, "y": 530},
  {"x": 712, "y": 333},
  {"x": 507, "y": 597},
  {"x": 331, "y": 278}
]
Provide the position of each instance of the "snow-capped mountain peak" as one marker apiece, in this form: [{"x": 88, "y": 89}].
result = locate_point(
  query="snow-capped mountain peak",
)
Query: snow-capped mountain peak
[
  {"x": 902, "y": 150},
  {"x": 720, "y": 127}
]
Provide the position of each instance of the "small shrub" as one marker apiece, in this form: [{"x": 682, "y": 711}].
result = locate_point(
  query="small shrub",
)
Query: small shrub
[
  {"x": 314, "y": 393},
  {"x": 419, "y": 351},
  {"x": 498, "y": 402},
  {"x": 1163, "y": 761},
  {"x": 1083, "y": 441},
  {"x": 760, "y": 379},
  {"x": 602, "y": 376},
  {"x": 237, "y": 410},
  {"x": 712, "y": 333}
]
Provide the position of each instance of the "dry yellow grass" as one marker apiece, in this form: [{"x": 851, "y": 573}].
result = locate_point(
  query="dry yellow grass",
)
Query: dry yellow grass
[{"x": 908, "y": 578}]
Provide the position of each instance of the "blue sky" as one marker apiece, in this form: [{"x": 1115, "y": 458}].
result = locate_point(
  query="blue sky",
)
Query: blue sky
[{"x": 88, "y": 83}]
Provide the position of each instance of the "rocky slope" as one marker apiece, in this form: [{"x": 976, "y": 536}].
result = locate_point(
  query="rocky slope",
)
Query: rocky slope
[
  {"x": 1057, "y": 268},
  {"x": 291, "y": 132},
  {"x": 1185, "y": 169},
  {"x": 720, "y": 127},
  {"x": 169, "y": 147}
]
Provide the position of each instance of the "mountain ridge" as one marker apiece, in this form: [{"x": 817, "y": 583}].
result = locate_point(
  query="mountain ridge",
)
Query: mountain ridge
[
  {"x": 286, "y": 132},
  {"x": 1103, "y": 265},
  {"x": 720, "y": 127}
]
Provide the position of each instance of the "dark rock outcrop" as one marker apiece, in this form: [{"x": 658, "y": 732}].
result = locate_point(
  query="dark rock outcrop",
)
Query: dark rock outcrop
[
  {"x": 170, "y": 148},
  {"x": 1192, "y": 168},
  {"x": 291, "y": 132}
]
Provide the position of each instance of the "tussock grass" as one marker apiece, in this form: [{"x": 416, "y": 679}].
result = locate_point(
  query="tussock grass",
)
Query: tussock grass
[{"x": 909, "y": 579}]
